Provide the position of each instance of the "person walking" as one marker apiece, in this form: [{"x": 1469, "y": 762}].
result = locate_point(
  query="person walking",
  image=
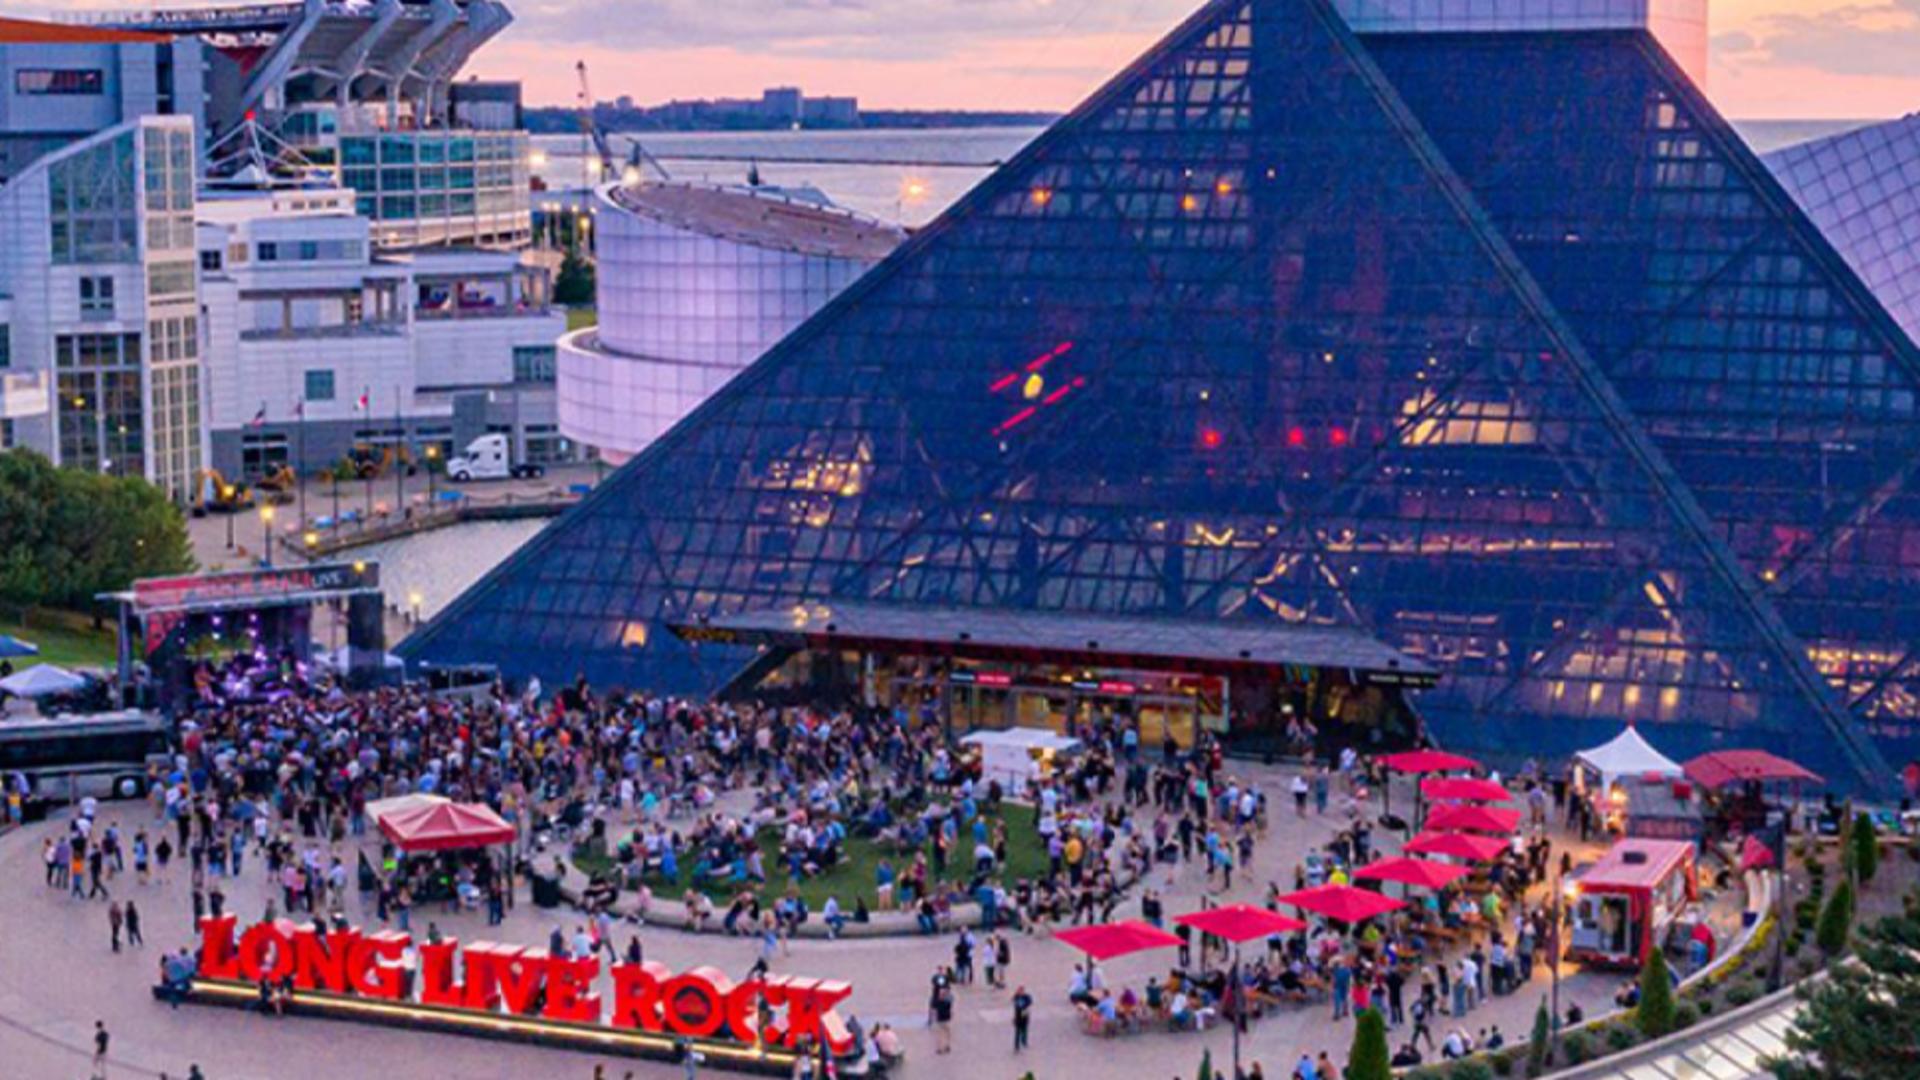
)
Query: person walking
[
  {"x": 133, "y": 925},
  {"x": 1022, "y": 1016},
  {"x": 943, "y": 1020},
  {"x": 100, "y": 1040},
  {"x": 114, "y": 918}
]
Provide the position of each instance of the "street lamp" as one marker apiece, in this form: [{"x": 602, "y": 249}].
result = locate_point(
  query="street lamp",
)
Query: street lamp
[
  {"x": 413, "y": 600},
  {"x": 433, "y": 458},
  {"x": 266, "y": 531},
  {"x": 1563, "y": 894},
  {"x": 226, "y": 499}
]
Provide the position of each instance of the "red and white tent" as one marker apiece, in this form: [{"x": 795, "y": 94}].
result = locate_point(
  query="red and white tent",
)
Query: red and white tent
[{"x": 443, "y": 825}]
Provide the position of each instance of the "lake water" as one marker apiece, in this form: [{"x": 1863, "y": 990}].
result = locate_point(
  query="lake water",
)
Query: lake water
[
  {"x": 439, "y": 565},
  {"x": 949, "y": 161}
]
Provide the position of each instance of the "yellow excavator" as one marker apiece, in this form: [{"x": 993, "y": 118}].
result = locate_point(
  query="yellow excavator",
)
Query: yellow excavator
[
  {"x": 278, "y": 486},
  {"x": 215, "y": 494}
]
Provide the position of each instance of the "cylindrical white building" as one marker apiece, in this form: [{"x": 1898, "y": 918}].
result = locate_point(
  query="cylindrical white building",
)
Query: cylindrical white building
[{"x": 695, "y": 282}]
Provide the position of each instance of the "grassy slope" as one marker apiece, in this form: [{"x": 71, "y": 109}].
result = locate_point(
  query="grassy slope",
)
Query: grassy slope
[{"x": 65, "y": 638}]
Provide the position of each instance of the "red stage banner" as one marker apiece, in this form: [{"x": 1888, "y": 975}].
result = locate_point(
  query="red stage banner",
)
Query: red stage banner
[{"x": 700, "y": 1004}]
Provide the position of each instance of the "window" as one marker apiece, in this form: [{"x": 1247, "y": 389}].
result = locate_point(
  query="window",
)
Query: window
[
  {"x": 40, "y": 81},
  {"x": 6, "y": 345},
  {"x": 170, "y": 278},
  {"x": 533, "y": 363},
  {"x": 210, "y": 260},
  {"x": 269, "y": 251},
  {"x": 96, "y": 298},
  {"x": 319, "y": 385}
]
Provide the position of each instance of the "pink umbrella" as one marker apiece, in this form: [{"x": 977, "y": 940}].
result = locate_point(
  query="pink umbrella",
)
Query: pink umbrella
[
  {"x": 1456, "y": 845},
  {"x": 1755, "y": 854},
  {"x": 1108, "y": 940},
  {"x": 1342, "y": 902},
  {"x": 1240, "y": 922},
  {"x": 1485, "y": 819},
  {"x": 1464, "y": 789},
  {"x": 1421, "y": 872},
  {"x": 1426, "y": 761}
]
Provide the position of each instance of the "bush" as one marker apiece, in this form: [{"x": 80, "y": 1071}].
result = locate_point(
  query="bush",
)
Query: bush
[
  {"x": 1369, "y": 1058},
  {"x": 1621, "y": 1037},
  {"x": 1574, "y": 1046},
  {"x": 1654, "y": 1015},
  {"x": 1836, "y": 919},
  {"x": 1470, "y": 1070},
  {"x": 1706, "y": 1005},
  {"x": 1502, "y": 1064},
  {"x": 1685, "y": 1015},
  {"x": 1864, "y": 849},
  {"x": 1540, "y": 1039},
  {"x": 1744, "y": 992}
]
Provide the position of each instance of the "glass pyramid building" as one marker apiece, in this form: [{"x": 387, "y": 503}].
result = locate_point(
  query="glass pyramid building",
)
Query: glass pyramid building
[{"x": 1499, "y": 348}]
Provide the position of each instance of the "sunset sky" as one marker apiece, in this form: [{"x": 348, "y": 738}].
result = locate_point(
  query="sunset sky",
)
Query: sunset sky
[{"x": 1771, "y": 58}]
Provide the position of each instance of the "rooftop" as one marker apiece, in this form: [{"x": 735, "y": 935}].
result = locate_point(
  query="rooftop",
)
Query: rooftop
[
  {"x": 30, "y": 32},
  {"x": 760, "y": 219},
  {"x": 1115, "y": 640}
]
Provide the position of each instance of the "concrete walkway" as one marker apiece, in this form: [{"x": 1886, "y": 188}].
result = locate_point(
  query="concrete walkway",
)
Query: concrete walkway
[{"x": 1727, "y": 1047}]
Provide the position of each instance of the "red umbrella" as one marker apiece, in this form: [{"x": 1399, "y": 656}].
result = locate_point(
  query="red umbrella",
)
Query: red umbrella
[
  {"x": 1342, "y": 902},
  {"x": 1473, "y": 819},
  {"x": 1422, "y": 872},
  {"x": 1457, "y": 845},
  {"x": 1426, "y": 761},
  {"x": 1755, "y": 854},
  {"x": 1725, "y": 767},
  {"x": 445, "y": 826},
  {"x": 1108, "y": 940},
  {"x": 1464, "y": 789},
  {"x": 1240, "y": 922}
]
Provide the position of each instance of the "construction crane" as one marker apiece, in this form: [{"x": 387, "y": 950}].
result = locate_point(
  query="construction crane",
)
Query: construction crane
[{"x": 598, "y": 153}]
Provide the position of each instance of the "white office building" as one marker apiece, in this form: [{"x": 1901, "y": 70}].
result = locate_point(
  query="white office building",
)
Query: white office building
[
  {"x": 318, "y": 344},
  {"x": 98, "y": 309},
  {"x": 695, "y": 282}
]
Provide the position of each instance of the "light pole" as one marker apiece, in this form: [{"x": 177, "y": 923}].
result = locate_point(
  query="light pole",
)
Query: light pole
[
  {"x": 1562, "y": 894},
  {"x": 413, "y": 601},
  {"x": 433, "y": 458},
  {"x": 266, "y": 531},
  {"x": 226, "y": 498}
]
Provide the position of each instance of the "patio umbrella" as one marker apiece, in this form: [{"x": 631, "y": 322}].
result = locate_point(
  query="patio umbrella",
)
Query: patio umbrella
[
  {"x": 1485, "y": 819},
  {"x": 1343, "y": 903},
  {"x": 1463, "y": 789},
  {"x": 1240, "y": 922},
  {"x": 1723, "y": 768},
  {"x": 11, "y": 647},
  {"x": 42, "y": 680},
  {"x": 1108, "y": 940},
  {"x": 1755, "y": 854},
  {"x": 1424, "y": 873},
  {"x": 1421, "y": 761},
  {"x": 1456, "y": 845}
]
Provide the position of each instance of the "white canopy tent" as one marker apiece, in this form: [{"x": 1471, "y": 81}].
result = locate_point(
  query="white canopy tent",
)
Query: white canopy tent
[
  {"x": 1014, "y": 757},
  {"x": 1627, "y": 755},
  {"x": 42, "y": 680}
]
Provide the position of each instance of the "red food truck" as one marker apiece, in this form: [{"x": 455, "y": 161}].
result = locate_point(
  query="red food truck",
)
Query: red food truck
[{"x": 1623, "y": 905}]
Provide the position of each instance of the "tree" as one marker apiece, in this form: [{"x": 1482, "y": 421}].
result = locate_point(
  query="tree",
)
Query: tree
[
  {"x": 1830, "y": 933},
  {"x": 1857, "y": 1023},
  {"x": 1864, "y": 846},
  {"x": 1540, "y": 1042},
  {"x": 1206, "y": 1065},
  {"x": 1655, "y": 1014},
  {"x": 67, "y": 535},
  {"x": 1369, "y": 1059},
  {"x": 575, "y": 284}
]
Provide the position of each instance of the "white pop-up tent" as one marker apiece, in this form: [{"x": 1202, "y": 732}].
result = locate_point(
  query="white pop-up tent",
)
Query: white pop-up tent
[
  {"x": 1627, "y": 755},
  {"x": 1016, "y": 757},
  {"x": 42, "y": 680}
]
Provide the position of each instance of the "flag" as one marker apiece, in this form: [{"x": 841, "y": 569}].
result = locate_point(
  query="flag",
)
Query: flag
[
  {"x": 361, "y": 405},
  {"x": 259, "y": 418},
  {"x": 300, "y": 409}
]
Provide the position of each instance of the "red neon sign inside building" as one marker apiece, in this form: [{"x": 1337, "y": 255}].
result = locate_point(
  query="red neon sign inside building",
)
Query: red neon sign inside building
[{"x": 521, "y": 981}]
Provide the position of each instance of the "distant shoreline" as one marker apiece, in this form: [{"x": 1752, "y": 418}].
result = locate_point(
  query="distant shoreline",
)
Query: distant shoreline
[{"x": 555, "y": 120}]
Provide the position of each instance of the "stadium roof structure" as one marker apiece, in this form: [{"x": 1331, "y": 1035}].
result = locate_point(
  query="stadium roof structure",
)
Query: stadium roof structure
[{"x": 1499, "y": 348}]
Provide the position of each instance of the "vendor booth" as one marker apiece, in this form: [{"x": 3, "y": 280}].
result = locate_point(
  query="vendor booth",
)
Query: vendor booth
[
  {"x": 443, "y": 847},
  {"x": 1635, "y": 790},
  {"x": 1623, "y": 905},
  {"x": 1018, "y": 758}
]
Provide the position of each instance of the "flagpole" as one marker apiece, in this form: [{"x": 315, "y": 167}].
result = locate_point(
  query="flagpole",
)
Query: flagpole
[
  {"x": 300, "y": 450},
  {"x": 366, "y": 409},
  {"x": 399, "y": 449}
]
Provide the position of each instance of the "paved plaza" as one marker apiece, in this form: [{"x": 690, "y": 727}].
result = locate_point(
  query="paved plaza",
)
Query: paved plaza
[{"x": 57, "y": 976}]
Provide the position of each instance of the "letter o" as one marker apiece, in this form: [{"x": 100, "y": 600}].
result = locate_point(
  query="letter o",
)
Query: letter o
[
  {"x": 692, "y": 1006},
  {"x": 253, "y": 946}
]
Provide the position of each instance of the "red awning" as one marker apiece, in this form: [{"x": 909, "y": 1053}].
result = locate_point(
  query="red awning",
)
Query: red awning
[
  {"x": 1726, "y": 767},
  {"x": 1342, "y": 902},
  {"x": 1425, "y": 873},
  {"x": 444, "y": 826},
  {"x": 1240, "y": 922},
  {"x": 1456, "y": 845},
  {"x": 1485, "y": 819},
  {"x": 1425, "y": 761},
  {"x": 1464, "y": 789},
  {"x": 1106, "y": 941}
]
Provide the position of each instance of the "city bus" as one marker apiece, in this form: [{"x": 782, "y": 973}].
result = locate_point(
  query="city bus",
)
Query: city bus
[{"x": 70, "y": 757}]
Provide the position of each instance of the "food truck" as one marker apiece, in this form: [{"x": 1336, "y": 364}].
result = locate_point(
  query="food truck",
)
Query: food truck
[{"x": 1623, "y": 905}]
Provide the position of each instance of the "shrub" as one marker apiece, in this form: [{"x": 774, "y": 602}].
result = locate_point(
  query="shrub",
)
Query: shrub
[
  {"x": 1654, "y": 1015},
  {"x": 1575, "y": 1046},
  {"x": 1706, "y": 1005},
  {"x": 1471, "y": 1070},
  {"x": 1540, "y": 1039},
  {"x": 1864, "y": 849},
  {"x": 1685, "y": 1015},
  {"x": 1369, "y": 1058},
  {"x": 1621, "y": 1037},
  {"x": 1502, "y": 1064},
  {"x": 1836, "y": 919},
  {"x": 1743, "y": 992}
]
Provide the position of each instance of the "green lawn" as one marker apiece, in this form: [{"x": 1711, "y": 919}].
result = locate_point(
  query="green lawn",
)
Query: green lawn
[
  {"x": 65, "y": 638},
  {"x": 1026, "y": 857},
  {"x": 578, "y": 317}
]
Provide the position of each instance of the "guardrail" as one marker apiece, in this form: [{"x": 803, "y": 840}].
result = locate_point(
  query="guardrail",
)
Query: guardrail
[{"x": 355, "y": 528}]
